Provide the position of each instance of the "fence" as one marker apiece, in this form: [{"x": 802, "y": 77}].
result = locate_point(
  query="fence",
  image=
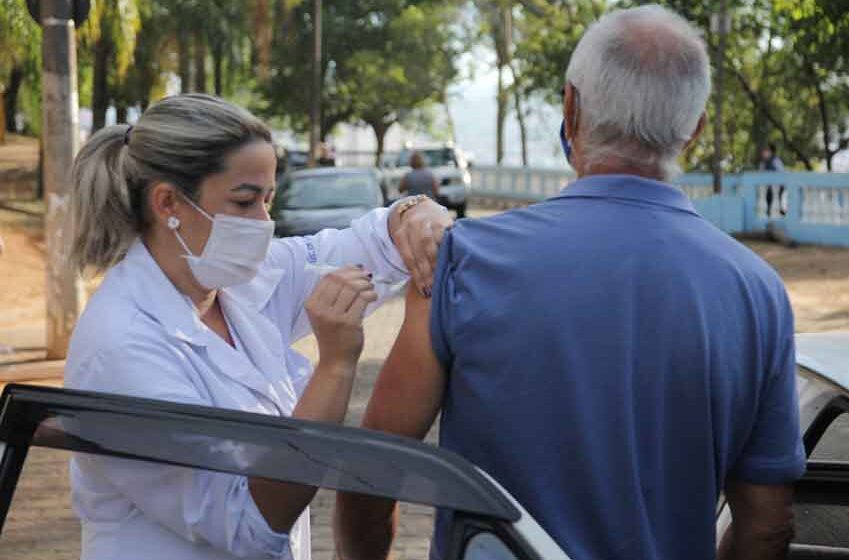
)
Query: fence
[{"x": 808, "y": 207}]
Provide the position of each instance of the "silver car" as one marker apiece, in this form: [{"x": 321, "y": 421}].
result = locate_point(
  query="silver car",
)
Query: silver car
[{"x": 310, "y": 200}]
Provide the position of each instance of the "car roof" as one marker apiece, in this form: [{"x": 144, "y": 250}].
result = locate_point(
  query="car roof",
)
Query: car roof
[
  {"x": 277, "y": 448},
  {"x": 322, "y": 171},
  {"x": 826, "y": 354}
]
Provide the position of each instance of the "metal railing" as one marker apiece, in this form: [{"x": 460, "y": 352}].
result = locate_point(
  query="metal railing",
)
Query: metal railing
[{"x": 808, "y": 207}]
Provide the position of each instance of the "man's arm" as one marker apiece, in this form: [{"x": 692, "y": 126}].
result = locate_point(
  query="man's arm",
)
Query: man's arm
[
  {"x": 406, "y": 399},
  {"x": 762, "y": 521}
]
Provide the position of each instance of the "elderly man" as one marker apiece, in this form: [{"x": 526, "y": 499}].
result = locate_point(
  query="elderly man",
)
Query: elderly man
[{"x": 610, "y": 357}]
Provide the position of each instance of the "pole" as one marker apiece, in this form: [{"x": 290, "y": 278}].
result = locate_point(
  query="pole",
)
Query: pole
[
  {"x": 60, "y": 132},
  {"x": 315, "y": 102},
  {"x": 722, "y": 28}
]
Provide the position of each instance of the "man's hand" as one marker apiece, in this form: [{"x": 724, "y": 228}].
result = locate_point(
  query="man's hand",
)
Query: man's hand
[
  {"x": 762, "y": 521},
  {"x": 417, "y": 234}
]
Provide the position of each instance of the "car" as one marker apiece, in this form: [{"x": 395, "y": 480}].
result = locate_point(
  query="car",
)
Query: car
[
  {"x": 489, "y": 524},
  {"x": 821, "y": 499},
  {"x": 309, "y": 200},
  {"x": 448, "y": 164}
]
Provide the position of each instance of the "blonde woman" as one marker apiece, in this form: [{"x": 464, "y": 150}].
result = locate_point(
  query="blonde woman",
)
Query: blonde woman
[{"x": 200, "y": 305}]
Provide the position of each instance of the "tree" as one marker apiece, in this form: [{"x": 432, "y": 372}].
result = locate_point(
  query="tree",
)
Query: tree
[
  {"x": 110, "y": 32},
  {"x": 20, "y": 57},
  {"x": 412, "y": 68}
]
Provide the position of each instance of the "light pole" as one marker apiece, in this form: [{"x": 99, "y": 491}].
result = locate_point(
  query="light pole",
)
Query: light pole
[
  {"x": 60, "y": 133},
  {"x": 315, "y": 102},
  {"x": 721, "y": 25}
]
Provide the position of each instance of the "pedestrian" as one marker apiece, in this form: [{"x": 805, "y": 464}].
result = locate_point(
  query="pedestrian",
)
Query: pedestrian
[
  {"x": 419, "y": 180},
  {"x": 200, "y": 305},
  {"x": 771, "y": 162},
  {"x": 610, "y": 357}
]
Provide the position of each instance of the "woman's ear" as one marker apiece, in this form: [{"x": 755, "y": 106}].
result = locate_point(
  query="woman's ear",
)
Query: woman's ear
[{"x": 163, "y": 202}]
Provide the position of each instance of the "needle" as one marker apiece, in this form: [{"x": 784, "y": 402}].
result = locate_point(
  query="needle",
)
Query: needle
[{"x": 323, "y": 269}]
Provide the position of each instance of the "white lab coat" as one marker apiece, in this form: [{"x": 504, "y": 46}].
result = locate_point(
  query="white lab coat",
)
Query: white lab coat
[{"x": 139, "y": 336}]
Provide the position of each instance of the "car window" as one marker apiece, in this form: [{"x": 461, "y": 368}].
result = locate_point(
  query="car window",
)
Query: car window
[
  {"x": 824, "y": 524},
  {"x": 331, "y": 191},
  {"x": 487, "y": 546}
]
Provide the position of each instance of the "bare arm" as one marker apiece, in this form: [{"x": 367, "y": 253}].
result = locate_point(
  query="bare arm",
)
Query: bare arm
[
  {"x": 435, "y": 186},
  {"x": 336, "y": 309},
  {"x": 405, "y": 401},
  {"x": 762, "y": 525}
]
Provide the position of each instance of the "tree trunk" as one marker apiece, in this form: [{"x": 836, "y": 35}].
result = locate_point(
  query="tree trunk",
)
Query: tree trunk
[
  {"x": 2, "y": 117},
  {"x": 100, "y": 84},
  {"x": 218, "y": 69},
  {"x": 121, "y": 111},
  {"x": 824, "y": 117},
  {"x": 10, "y": 101},
  {"x": 501, "y": 99},
  {"x": 184, "y": 58},
  {"x": 380, "y": 129},
  {"x": 200, "y": 62},
  {"x": 520, "y": 116}
]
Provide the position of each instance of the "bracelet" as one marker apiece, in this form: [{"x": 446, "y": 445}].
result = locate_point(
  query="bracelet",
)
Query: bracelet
[{"x": 410, "y": 202}]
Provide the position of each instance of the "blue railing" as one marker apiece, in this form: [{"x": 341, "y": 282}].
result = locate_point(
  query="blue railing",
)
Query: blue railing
[{"x": 807, "y": 207}]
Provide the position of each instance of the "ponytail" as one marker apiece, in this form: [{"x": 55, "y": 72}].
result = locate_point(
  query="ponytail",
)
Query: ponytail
[{"x": 101, "y": 218}]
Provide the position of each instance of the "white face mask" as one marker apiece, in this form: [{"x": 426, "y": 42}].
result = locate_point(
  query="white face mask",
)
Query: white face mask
[{"x": 234, "y": 252}]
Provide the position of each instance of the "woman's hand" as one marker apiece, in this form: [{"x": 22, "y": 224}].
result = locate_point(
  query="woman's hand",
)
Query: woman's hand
[
  {"x": 417, "y": 234},
  {"x": 336, "y": 309}
]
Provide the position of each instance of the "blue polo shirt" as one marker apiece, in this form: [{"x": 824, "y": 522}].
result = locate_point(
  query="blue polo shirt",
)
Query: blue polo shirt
[{"x": 612, "y": 358}]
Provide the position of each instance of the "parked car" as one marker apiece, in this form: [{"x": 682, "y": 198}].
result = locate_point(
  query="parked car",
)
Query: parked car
[
  {"x": 489, "y": 524},
  {"x": 448, "y": 164},
  {"x": 821, "y": 499},
  {"x": 310, "y": 200}
]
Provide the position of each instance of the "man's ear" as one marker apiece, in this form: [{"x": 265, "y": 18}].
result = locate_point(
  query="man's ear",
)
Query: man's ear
[
  {"x": 570, "y": 111},
  {"x": 700, "y": 127}
]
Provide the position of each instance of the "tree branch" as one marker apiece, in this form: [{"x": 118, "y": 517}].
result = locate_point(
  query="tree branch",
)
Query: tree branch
[{"x": 756, "y": 100}]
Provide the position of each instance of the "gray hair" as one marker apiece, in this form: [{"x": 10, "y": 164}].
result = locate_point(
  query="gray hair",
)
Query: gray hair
[
  {"x": 643, "y": 79},
  {"x": 179, "y": 140}
]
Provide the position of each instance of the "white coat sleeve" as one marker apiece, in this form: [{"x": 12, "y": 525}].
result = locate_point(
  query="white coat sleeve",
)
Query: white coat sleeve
[
  {"x": 200, "y": 506},
  {"x": 366, "y": 242}
]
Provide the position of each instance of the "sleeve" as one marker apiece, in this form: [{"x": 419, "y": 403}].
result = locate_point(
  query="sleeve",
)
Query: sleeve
[
  {"x": 443, "y": 303},
  {"x": 366, "y": 242},
  {"x": 199, "y": 506},
  {"x": 774, "y": 452}
]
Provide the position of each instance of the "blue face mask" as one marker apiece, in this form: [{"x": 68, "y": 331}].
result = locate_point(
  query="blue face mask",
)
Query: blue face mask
[{"x": 564, "y": 142}]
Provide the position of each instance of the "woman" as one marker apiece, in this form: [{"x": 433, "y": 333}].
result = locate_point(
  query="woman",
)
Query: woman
[{"x": 199, "y": 305}]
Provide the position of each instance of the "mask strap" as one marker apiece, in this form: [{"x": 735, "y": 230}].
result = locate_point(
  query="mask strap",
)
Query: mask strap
[
  {"x": 195, "y": 206},
  {"x": 183, "y": 243}
]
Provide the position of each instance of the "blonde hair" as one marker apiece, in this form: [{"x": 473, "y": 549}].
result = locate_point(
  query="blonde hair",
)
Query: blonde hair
[{"x": 179, "y": 140}]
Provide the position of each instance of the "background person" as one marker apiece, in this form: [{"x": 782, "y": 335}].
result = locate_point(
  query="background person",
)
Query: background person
[
  {"x": 771, "y": 162},
  {"x": 199, "y": 305},
  {"x": 419, "y": 180},
  {"x": 608, "y": 356}
]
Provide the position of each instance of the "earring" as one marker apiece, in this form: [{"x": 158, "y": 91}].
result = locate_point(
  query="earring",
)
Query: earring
[{"x": 173, "y": 222}]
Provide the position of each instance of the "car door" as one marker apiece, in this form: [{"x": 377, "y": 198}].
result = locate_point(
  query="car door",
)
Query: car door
[{"x": 487, "y": 520}]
